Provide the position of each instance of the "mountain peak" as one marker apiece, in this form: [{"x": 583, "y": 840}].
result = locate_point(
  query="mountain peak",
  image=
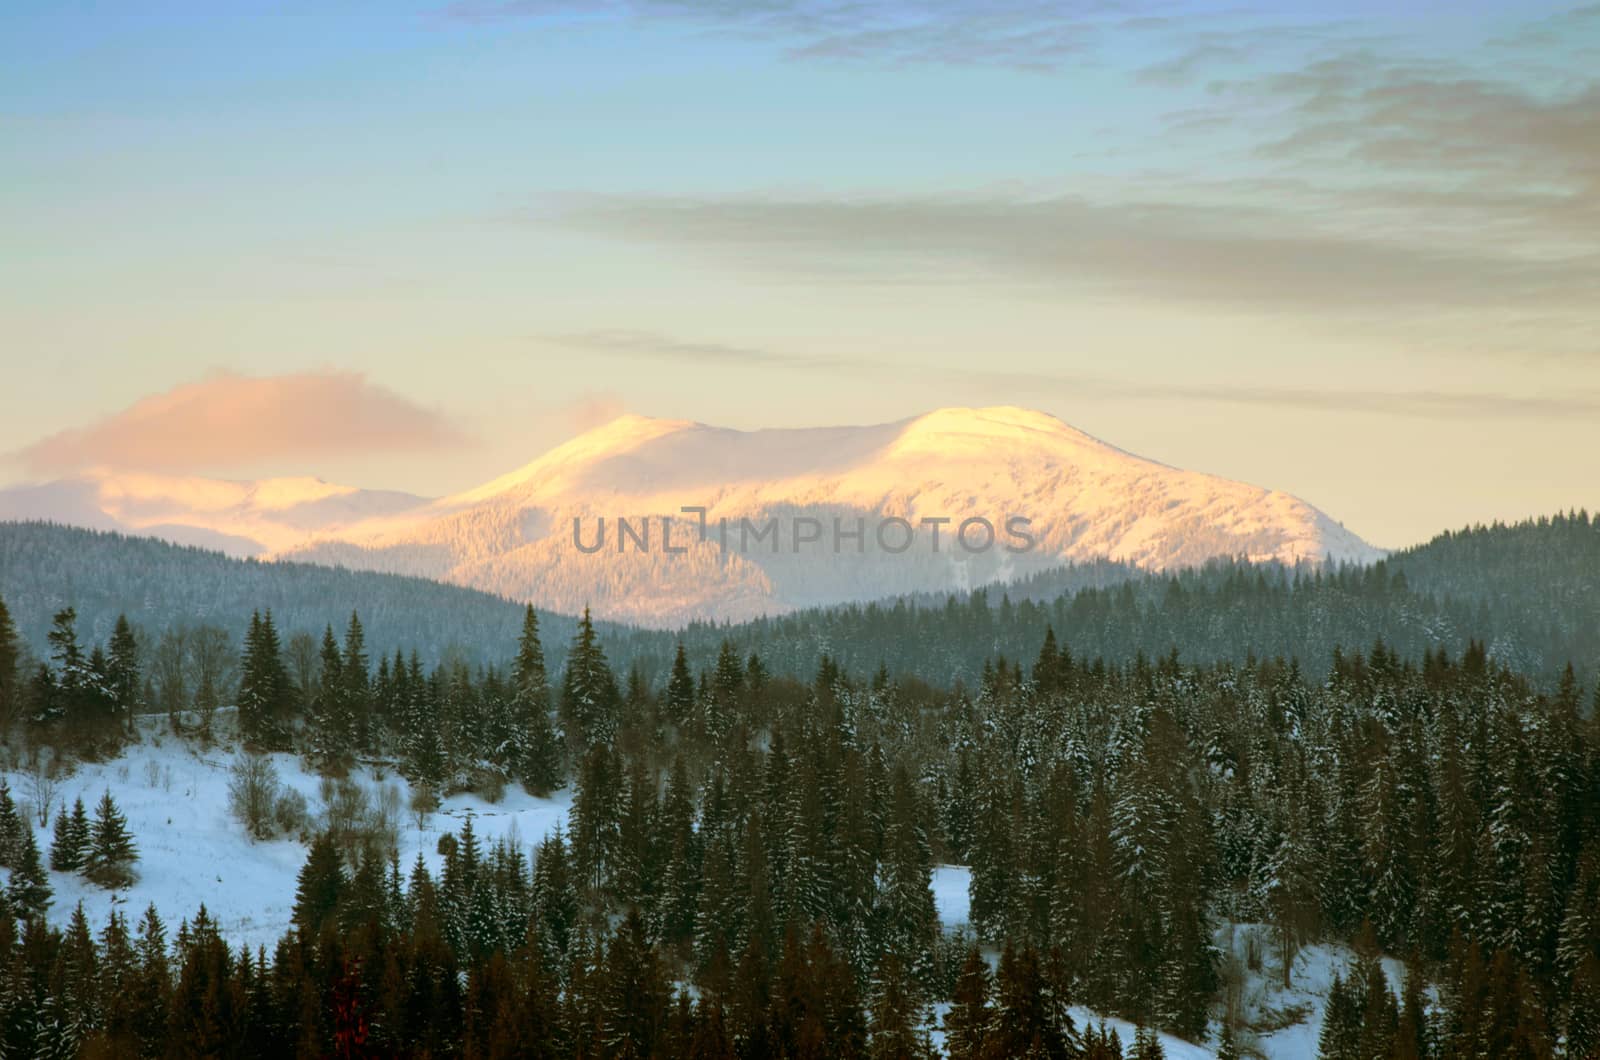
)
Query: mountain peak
[{"x": 1083, "y": 498}]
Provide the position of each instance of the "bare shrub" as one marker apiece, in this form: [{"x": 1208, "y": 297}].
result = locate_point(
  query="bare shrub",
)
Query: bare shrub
[
  {"x": 253, "y": 792},
  {"x": 348, "y": 816},
  {"x": 384, "y": 821},
  {"x": 290, "y": 813},
  {"x": 489, "y": 785},
  {"x": 424, "y": 801},
  {"x": 44, "y": 774}
]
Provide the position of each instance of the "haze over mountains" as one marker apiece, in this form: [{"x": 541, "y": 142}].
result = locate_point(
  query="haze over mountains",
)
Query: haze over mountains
[
  {"x": 237, "y": 518},
  {"x": 1084, "y": 499}
]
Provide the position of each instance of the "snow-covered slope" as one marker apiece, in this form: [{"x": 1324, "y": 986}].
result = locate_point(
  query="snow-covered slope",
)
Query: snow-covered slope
[
  {"x": 1083, "y": 499},
  {"x": 193, "y": 853},
  {"x": 238, "y": 518}
]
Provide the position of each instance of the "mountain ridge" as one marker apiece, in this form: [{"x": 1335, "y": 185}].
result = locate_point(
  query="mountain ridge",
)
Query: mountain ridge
[
  {"x": 949, "y": 470},
  {"x": 1085, "y": 497}
]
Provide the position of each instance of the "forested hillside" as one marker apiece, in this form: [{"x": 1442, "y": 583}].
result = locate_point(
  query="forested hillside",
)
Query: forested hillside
[
  {"x": 748, "y": 866},
  {"x": 45, "y": 568},
  {"x": 1530, "y": 592}
]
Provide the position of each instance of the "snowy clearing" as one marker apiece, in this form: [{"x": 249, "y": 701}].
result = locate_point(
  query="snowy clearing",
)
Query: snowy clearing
[{"x": 193, "y": 852}]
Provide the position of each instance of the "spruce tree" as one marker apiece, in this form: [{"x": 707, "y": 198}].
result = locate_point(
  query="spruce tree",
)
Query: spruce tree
[
  {"x": 678, "y": 703},
  {"x": 10, "y": 674},
  {"x": 28, "y": 893},
  {"x": 11, "y": 828},
  {"x": 319, "y": 886},
  {"x": 112, "y": 852},
  {"x": 897, "y": 1018},
  {"x": 589, "y": 695},
  {"x": 74, "y": 680},
  {"x": 536, "y": 750},
  {"x": 635, "y": 992},
  {"x": 1147, "y": 1045},
  {"x": 331, "y": 724},
  {"x": 265, "y": 693},
  {"x": 69, "y": 850},
  {"x": 1227, "y": 1048},
  {"x": 1341, "y": 1023},
  {"x": 355, "y": 682},
  {"x": 124, "y": 686},
  {"x": 968, "y": 1023}
]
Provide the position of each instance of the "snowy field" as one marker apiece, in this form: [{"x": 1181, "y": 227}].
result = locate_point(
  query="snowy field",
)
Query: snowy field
[{"x": 192, "y": 852}]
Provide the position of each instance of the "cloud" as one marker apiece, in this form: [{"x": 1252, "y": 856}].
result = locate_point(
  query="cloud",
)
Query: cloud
[
  {"x": 1031, "y": 35},
  {"x": 1581, "y": 405},
  {"x": 234, "y": 421},
  {"x": 649, "y": 345},
  {"x": 1228, "y": 254}
]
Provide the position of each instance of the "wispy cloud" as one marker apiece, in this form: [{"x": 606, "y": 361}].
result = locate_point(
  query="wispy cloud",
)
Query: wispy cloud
[
  {"x": 1030, "y": 35},
  {"x": 650, "y": 345},
  {"x": 1232, "y": 254},
  {"x": 1581, "y": 404},
  {"x": 234, "y": 421}
]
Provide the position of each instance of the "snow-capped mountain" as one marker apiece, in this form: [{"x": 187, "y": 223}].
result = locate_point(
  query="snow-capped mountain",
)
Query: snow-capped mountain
[
  {"x": 823, "y": 515},
  {"x": 238, "y": 518}
]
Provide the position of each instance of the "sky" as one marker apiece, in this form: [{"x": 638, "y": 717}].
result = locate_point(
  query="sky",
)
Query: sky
[{"x": 1347, "y": 251}]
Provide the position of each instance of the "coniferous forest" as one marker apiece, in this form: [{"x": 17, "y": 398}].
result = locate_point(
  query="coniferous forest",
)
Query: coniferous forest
[{"x": 746, "y": 869}]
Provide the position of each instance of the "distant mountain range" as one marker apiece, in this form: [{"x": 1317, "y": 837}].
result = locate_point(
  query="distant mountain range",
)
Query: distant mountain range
[
  {"x": 236, "y": 518},
  {"x": 780, "y": 510}
]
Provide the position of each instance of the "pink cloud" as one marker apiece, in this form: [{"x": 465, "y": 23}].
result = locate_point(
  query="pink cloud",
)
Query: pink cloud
[{"x": 231, "y": 421}]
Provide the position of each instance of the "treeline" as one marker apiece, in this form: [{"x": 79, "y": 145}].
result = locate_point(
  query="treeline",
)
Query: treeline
[
  {"x": 1529, "y": 592},
  {"x": 46, "y": 568}
]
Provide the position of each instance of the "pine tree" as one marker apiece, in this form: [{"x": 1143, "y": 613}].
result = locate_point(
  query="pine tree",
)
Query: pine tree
[
  {"x": 74, "y": 679},
  {"x": 11, "y": 828},
  {"x": 152, "y": 982},
  {"x": 897, "y": 1018},
  {"x": 331, "y": 723},
  {"x": 634, "y": 995},
  {"x": 1227, "y": 1048},
  {"x": 265, "y": 693},
  {"x": 1030, "y": 1019},
  {"x": 536, "y": 748},
  {"x": 355, "y": 679},
  {"x": 69, "y": 850},
  {"x": 10, "y": 674},
  {"x": 424, "y": 754},
  {"x": 908, "y": 920},
  {"x": 722, "y": 706},
  {"x": 29, "y": 890},
  {"x": 1147, "y": 1045},
  {"x": 1583, "y": 1010},
  {"x": 588, "y": 691},
  {"x": 111, "y": 849},
  {"x": 968, "y": 1022},
  {"x": 319, "y": 886},
  {"x": 678, "y": 703},
  {"x": 596, "y": 818},
  {"x": 124, "y": 685},
  {"x": 1341, "y": 1023}
]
